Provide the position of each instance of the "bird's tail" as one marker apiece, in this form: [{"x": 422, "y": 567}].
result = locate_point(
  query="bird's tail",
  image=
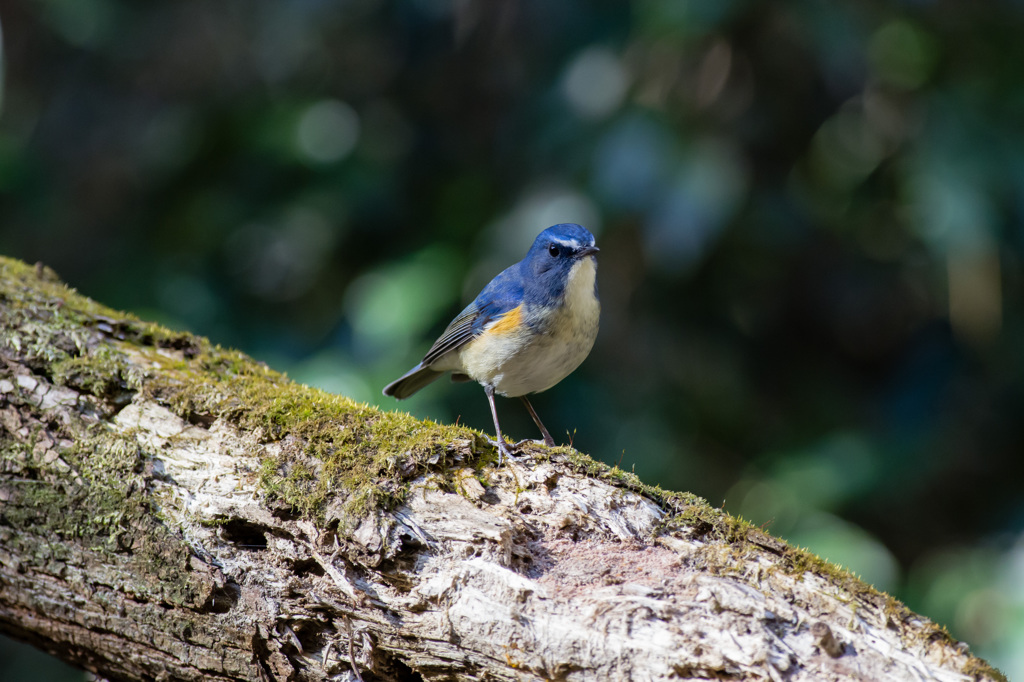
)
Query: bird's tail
[{"x": 412, "y": 381}]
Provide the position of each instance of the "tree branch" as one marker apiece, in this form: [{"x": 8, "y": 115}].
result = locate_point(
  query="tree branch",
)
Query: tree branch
[{"x": 173, "y": 510}]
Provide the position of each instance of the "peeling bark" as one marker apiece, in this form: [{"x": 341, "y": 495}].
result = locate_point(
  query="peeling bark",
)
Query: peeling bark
[{"x": 143, "y": 536}]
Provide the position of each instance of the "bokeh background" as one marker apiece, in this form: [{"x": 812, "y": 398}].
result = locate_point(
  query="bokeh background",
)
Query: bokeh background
[{"x": 810, "y": 216}]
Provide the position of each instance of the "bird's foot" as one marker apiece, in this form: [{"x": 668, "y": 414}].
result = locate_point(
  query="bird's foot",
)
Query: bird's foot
[{"x": 503, "y": 448}]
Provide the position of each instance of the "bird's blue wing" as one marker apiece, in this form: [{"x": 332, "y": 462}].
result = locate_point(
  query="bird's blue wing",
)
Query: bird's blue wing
[{"x": 504, "y": 293}]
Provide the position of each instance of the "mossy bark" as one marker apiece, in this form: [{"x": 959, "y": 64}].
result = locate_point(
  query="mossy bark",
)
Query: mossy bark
[{"x": 173, "y": 510}]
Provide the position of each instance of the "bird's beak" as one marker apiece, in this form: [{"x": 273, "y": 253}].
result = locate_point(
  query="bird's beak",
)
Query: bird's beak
[{"x": 587, "y": 251}]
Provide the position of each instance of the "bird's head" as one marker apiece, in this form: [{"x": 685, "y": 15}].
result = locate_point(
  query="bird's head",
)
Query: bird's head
[{"x": 553, "y": 257}]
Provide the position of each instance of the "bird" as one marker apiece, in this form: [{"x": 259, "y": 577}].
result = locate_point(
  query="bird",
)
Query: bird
[{"x": 528, "y": 329}]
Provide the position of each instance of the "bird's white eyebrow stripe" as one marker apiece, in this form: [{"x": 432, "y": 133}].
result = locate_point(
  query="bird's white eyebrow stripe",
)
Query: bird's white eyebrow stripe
[{"x": 571, "y": 243}]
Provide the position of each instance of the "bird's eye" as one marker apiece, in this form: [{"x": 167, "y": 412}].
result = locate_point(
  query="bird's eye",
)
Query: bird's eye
[{"x": 553, "y": 250}]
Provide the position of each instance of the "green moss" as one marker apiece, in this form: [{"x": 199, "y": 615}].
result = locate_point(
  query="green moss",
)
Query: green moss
[
  {"x": 979, "y": 669},
  {"x": 327, "y": 446},
  {"x": 99, "y": 372}
]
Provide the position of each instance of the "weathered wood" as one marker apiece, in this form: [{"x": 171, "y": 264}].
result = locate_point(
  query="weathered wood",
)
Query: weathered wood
[{"x": 169, "y": 510}]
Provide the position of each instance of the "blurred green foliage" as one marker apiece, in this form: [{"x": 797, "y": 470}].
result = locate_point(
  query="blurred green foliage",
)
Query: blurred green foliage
[{"x": 810, "y": 217}]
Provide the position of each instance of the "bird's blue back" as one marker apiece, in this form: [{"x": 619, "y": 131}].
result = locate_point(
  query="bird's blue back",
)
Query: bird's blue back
[{"x": 501, "y": 295}]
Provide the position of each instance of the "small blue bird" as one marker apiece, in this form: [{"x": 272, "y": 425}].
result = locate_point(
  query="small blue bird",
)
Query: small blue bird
[{"x": 526, "y": 331}]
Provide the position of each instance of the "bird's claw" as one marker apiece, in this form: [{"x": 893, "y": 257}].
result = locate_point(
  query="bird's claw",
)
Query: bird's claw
[{"x": 503, "y": 448}]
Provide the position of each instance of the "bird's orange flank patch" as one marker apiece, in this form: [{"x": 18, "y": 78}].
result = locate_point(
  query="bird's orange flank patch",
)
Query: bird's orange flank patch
[{"x": 509, "y": 322}]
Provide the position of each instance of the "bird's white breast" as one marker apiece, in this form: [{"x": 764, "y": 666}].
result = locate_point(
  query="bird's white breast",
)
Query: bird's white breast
[{"x": 533, "y": 360}]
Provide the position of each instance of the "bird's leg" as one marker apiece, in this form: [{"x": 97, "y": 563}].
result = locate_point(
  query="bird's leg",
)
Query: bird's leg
[
  {"x": 502, "y": 446},
  {"x": 548, "y": 440}
]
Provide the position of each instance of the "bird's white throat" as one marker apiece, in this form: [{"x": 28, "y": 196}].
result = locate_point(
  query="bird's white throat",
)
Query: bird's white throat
[{"x": 579, "y": 289}]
